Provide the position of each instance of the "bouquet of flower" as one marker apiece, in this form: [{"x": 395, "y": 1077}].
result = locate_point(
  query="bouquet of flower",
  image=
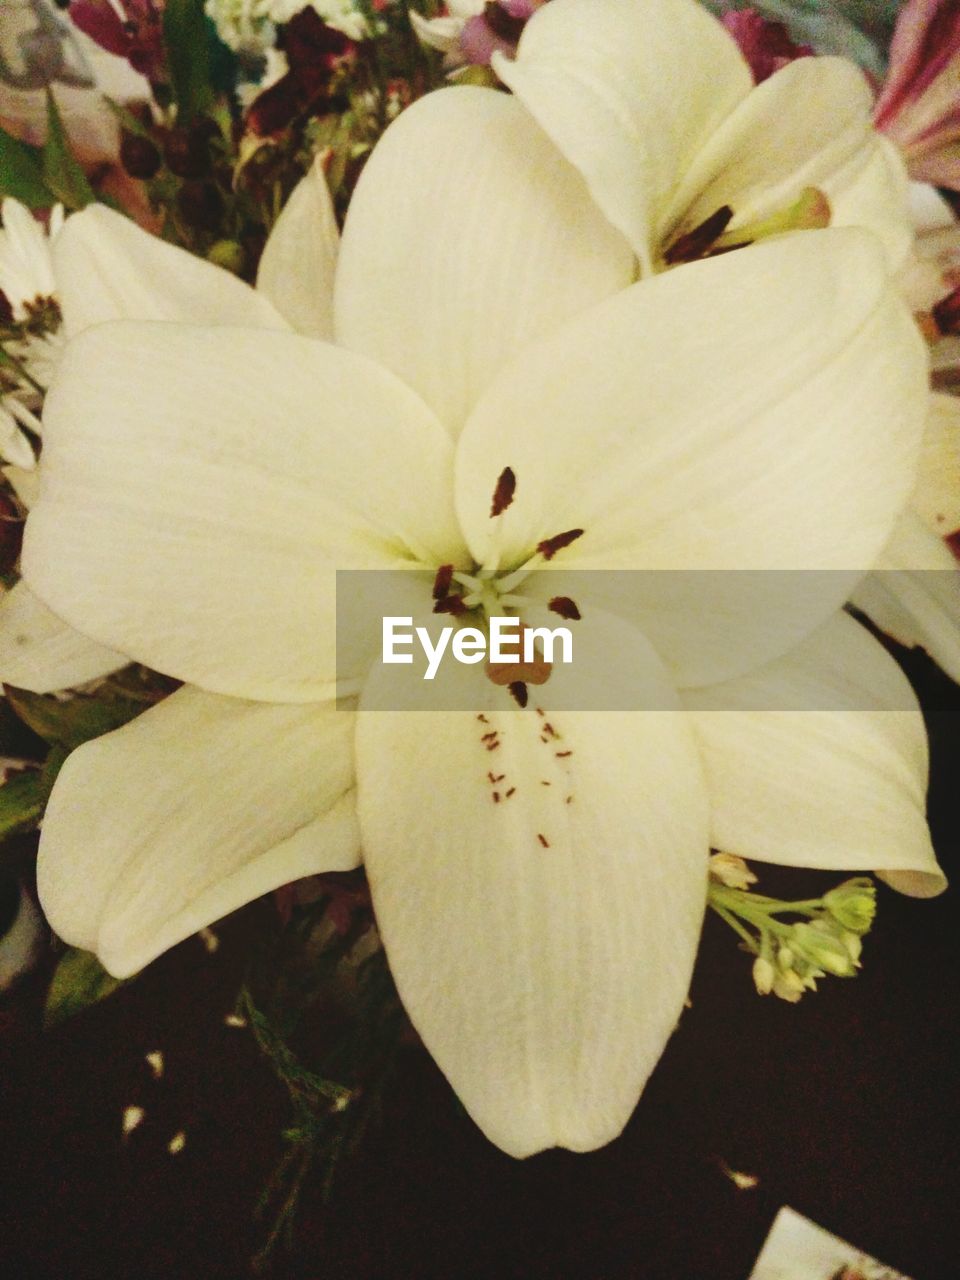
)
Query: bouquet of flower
[{"x": 341, "y": 340}]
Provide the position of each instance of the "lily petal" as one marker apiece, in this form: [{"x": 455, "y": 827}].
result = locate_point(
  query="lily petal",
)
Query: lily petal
[
  {"x": 713, "y": 472},
  {"x": 807, "y": 126},
  {"x": 937, "y": 495},
  {"x": 468, "y": 236},
  {"x": 561, "y": 932},
  {"x": 207, "y": 545},
  {"x": 299, "y": 259},
  {"x": 841, "y": 786},
  {"x": 197, "y": 807},
  {"x": 630, "y": 91},
  {"x": 915, "y": 596},
  {"x": 108, "y": 268},
  {"x": 40, "y": 652}
]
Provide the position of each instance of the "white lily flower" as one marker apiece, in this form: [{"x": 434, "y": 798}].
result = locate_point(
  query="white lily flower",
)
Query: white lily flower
[
  {"x": 759, "y": 410},
  {"x": 104, "y": 267},
  {"x": 655, "y": 105}
]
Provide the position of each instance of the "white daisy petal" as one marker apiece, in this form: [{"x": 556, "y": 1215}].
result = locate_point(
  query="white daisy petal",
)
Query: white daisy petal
[
  {"x": 841, "y": 786},
  {"x": 468, "y": 236},
  {"x": 192, "y": 810},
  {"x": 202, "y": 536},
  {"x": 562, "y": 919}
]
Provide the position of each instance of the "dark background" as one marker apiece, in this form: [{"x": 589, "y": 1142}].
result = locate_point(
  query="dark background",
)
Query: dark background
[{"x": 844, "y": 1106}]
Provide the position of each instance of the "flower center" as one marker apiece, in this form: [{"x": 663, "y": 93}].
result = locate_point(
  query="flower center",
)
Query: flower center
[{"x": 809, "y": 212}]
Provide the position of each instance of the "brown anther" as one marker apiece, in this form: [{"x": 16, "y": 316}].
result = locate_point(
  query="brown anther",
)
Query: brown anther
[
  {"x": 518, "y": 691},
  {"x": 441, "y": 583},
  {"x": 543, "y": 840},
  {"x": 492, "y": 746},
  {"x": 544, "y": 783},
  {"x": 565, "y": 607},
  {"x": 562, "y": 755},
  {"x": 695, "y": 243},
  {"x": 507, "y": 673},
  {"x": 503, "y": 493},
  {"x": 496, "y": 797},
  {"x": 549, "y": 547},
  {"x": 452, "y": 604},
  {"x": 509, "y": 793},
  {"x": 488, "y": 737}
]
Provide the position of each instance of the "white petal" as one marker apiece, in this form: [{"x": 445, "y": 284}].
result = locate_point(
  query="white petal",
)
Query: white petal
[
  {"x": 915, "y": 594},
  {"x": 40, "y": 652},
  {"x": 25, "y": 483},
  {"x": 187, "y": 813},
  {"x": 807, "y": 126},
  {"x": 297, "y": 267},
  {"x": 468, "y": 235},
  {"x": 706, "y": 436},
  {"x": 630, "y": 93},
  {"x": 841, "y": 786},
  {"x": 108, "y": 268},
  {"x": 937, "y": 495},
  {"x": 253, "y": 465},
  {"x": 929, "y": 210},
  {"x": 541, "y": 945}
]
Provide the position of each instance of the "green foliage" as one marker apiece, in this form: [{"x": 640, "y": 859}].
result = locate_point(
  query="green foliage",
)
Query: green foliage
[
  {"x": 62, "y": 172},
  {"x": 21, "y": 173},
  {"x": 23, "y": 798},
  {"x": 186, "y": 33},
  {"x": 72, "y": 721},
  {"x": 79, "y": 981}
]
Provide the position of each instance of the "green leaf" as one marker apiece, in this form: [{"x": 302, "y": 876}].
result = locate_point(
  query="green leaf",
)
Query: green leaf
[
  {"x": 23, "y": 798},
  {"x": 79, "y": 981},
  {"x": 69, "y": 722},
  {"x": 61, "y": 169},
  {"x": 21, "y": 803},
  {"x": 186, "y": 34},
  {"x": 21, "y": 173}
]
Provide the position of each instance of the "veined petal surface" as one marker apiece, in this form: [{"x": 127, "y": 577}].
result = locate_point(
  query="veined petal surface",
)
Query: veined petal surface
[
  {"x": 40, "y": 652},
  {"x": 630, "y": 91},
  {"x": 468, "y": 235},
  {"x": 706, "y": 436},
  {"x": 809, "y": 125},
  {"x": 201, "y": 487},
  {"x": 299, "y": 259},
  {"x": 108, "y": 268},
  {"x": 540, "y": 901},
  {"x": 840, "y": 786},
  {"x": 195, "y": 808}
]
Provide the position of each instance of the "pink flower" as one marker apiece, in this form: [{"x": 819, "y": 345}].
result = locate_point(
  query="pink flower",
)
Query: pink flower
[
  {"x": 138, "y": 37},
  {"x": 765, "y": 45},
  {"x": 919, "y": 107}
]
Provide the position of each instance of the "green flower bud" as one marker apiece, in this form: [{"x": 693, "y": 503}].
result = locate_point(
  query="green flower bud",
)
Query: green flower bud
[
  {"x": 229, "y": 255},
  {"x": 821, "y": 946},
  {"x": 853, "y": 904}
]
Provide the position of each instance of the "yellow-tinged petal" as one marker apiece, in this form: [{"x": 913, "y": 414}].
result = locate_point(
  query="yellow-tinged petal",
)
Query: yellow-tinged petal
[
  {"x": 468, "y": 235},
  {"x": 820, "y": 760},
  {"x": 197, "y": 807},
  {"x": 299, "y": 259},
  {"x": 540, "y": 902},
  {"x": 40, "y": 652}
]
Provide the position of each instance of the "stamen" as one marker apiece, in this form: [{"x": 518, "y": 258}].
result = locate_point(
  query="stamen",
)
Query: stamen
[
  {"x": 695, "y": 243},
  {"x": 503, "y": 494},
  {"x": 519, "y": 692},
  {"x": 453, "y": 605},
  {"x": 441, "y": 583},
  {"x": 565, "y": 607},
  {"x": 549, "y": 547}
]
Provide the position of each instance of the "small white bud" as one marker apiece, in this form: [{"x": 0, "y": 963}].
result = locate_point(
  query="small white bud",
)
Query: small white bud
[{"x": 764, "y": 975}]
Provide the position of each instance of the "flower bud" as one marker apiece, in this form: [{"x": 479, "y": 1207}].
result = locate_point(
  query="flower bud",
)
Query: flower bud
[
  {"x": 229, "y": 255},
  {"x": 823, "y": 947},
  {"x": 732, "y": 871},
  {"x": 764, "y": 975},
  {"x": 853, "y": 904},
  {"x": 788, "y": 986}
]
